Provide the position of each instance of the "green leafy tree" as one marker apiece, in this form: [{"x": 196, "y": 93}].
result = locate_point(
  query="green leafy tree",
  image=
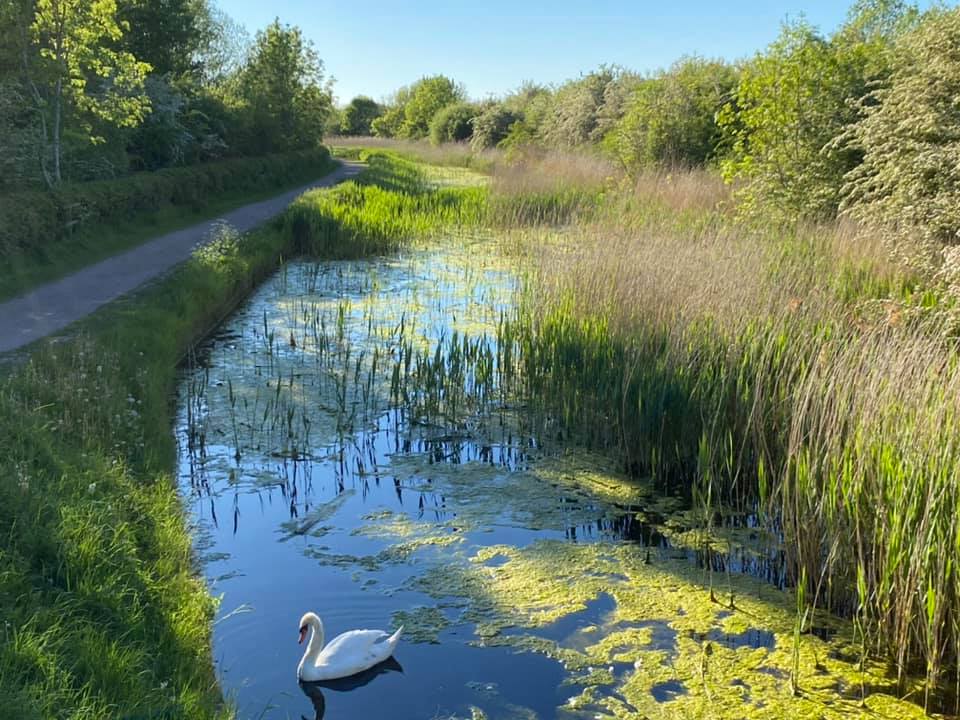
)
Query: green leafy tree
[
  {"x": 74, "y": 76},
  {"x": 791, "y": 103},
  {"x": 583, "y": 111},
  {"x": 167, "y": 34},
  {"x": 672, "y": 118},
  {"x": 358, "y": 116},
  {"x": 454, "y": 123},
  {"x": 390, "y": 122},
  {"x": 282, "y": 91},
  {"x": 427, "y": 97},
  {"x": 530, "y": 105}
]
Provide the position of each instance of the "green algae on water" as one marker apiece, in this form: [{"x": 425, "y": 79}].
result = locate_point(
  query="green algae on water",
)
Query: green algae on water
[
  {"x": 421, "y": 624},
  {"x": 663, "y": 632}
]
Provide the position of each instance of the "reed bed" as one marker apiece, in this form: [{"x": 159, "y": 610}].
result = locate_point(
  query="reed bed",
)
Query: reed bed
[
  {"x": 392, "y": 205},
  {"x": 549, "y": 189},
  {"x": 795, "y": 373}
]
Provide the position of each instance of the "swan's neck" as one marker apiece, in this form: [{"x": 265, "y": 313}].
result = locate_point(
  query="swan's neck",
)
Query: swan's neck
[{"x": 316, "y": 642}]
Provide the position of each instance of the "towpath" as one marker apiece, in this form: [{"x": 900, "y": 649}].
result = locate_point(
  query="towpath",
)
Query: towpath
[{"x": 51, "y": 307}]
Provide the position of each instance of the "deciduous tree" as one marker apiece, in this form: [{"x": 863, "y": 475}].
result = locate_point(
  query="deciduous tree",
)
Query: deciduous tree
[
  {"x": 283, "y": 91},
  {"x": 75, "y": 76},
  {"x": 358, "y": 116},
  {"x": 672, "y": 117}
]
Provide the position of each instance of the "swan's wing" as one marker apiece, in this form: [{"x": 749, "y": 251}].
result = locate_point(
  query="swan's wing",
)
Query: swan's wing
[{"x": 355, "y": 643}]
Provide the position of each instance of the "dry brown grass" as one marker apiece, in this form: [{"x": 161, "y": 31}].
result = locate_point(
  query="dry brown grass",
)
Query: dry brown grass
[{"x": 457, "y": 154}]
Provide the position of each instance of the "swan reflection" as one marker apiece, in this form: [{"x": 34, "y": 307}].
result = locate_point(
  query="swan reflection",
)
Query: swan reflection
[{"x": 313, "y": 690}]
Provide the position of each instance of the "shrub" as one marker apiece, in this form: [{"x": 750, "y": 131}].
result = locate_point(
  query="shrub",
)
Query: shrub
[
  {"x": 583, "y": 111},
  {"x": 671, "y": 118},
  {"x": 910, "y": 139},
  {"x": 491, "y": 126},
  {"x": 413, "y": 107},
  {"x": 795, "y": 102},
  {"x": 453, "y": 123},
  {"x": 358, "y": 116}
]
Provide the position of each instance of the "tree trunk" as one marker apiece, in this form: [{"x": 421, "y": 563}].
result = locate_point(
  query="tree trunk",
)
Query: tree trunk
[{"x": 57, "y": 105}]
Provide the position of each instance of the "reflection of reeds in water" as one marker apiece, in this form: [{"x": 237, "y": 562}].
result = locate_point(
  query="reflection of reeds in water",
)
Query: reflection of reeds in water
[{"x": 365, "y": 345}]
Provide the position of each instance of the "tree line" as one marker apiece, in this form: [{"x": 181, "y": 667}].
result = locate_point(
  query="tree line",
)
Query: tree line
[
  {"x": 93, "y": 89},
  {"x": 863, "y": 120}
]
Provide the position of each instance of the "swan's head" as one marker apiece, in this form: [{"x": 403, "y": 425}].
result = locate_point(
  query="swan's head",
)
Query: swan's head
[{"x": 306, "y": 622}]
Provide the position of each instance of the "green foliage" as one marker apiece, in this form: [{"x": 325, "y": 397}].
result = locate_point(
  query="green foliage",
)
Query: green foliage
[
  {"x": 427, "y": 97},
  {"x": 583, "y": 111},
  {"x": 162, "y": 139},
  {"x": 392, "y": 203},
  {"x": 282, "y": 97},
  {"x": 671, "y": 118},
  {"x": 92, "y": 90},
  {"x": 358, "y": 116},
  {"x": 32, "y": 221},
  {"x": 76, "y": 77},
  {"x": 389, "y": 123},
  {"x": 411, "y": 110},
  {"x": 910, "y": 138},
  {"x": 21, "y": 141},
  {"x": 791, "y": 104},
  {"x": 454, "y": 123},
  {"x": 166, "y": 35},
  {"x": 492, "y": 125}
]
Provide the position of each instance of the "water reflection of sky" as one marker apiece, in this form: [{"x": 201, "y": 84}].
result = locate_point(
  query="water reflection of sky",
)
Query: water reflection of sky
[{"x": 257, "y": 515}]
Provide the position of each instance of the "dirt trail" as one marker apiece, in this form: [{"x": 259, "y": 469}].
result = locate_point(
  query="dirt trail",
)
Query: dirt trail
[{"x": 52, "y": 307}]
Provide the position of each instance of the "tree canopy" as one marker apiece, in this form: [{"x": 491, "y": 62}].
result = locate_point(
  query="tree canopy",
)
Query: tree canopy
[{"x": 358, "y": 116}]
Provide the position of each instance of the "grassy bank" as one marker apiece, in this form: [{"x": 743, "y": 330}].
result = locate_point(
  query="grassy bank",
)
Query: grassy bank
[
  {"x": 789, "y": 376},
  {"x": 101, "y": 611},
  {"x": 44, "y": 235}
]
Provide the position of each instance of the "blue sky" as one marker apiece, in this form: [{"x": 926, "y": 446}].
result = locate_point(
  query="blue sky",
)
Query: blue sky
[{"x": 373, "y": 46}]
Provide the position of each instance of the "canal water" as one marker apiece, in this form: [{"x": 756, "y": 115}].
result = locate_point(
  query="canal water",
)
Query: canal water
[{"x": 350, "y": 444}]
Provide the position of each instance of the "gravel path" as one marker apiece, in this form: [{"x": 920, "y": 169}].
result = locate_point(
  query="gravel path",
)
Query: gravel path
[{"x": 51, "y": 307}]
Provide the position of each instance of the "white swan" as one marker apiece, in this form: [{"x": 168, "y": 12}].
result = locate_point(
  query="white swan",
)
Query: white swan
[{"x": 347, "y": 654}]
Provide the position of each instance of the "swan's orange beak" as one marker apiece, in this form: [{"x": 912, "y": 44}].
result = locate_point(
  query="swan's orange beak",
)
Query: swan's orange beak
[{"x": 303, "y": 634}]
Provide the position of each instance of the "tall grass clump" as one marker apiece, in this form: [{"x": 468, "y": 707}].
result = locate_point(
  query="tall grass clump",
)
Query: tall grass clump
[
  {"x": 549, "y": 189},
  {"x": 796, "y": 374},
  {"x": 393, "y": 203}
]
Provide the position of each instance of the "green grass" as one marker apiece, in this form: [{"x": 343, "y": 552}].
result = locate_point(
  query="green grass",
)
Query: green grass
[
  {"x": 393, "y": 203},
  {"x": 101, "y": 610},
  {"x": 25, "y": 270}
]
